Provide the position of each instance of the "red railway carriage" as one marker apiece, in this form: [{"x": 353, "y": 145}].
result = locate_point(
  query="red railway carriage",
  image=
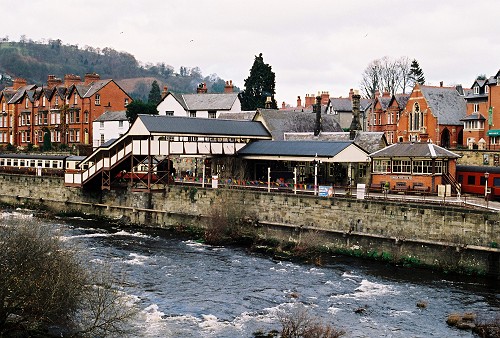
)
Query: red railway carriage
[{"x": 473, "y": 180}]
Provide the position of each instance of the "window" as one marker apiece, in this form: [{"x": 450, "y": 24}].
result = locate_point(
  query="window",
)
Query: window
[
  {"x": 486, "y": 89},
  {"x": 474, "y": 124},
  {"x": 381, "y": 166},
  {"x": 212, "y": 114},
  {"x": 401, "y": 166},
  {"x": 75, "y": 101},
  {"x": 77, "y": 117},
  {"x": 97, "y": 99},
  {"x": 169, "y": 113},
  {"x": 476, "y": 107},
  {"x": 416, "y": 118},
  {"x": 3, "y": 106},
  {"x": 102, "y": 138},
  {"x": 126, "y": 102},
  {"x": 120, "y": 124},
  {"x": 26, "y": 103},
  {"x": 43, "y": 101},
  {"x": 476, "y": 90},
  {"x": 362, "y": 170},
  {"x": 86, "y": 117},
  {"x": 422, "y": 167},
  {"x": 101, "y": 124},
  {"x": 57, "y": 100},
  {"x": 192, "y": 113}
]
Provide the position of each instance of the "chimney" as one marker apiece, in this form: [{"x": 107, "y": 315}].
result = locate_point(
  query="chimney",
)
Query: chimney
[
  {"x": 440, "y": 83},
  {"x": 91, "y": 77},
  {"x": 351, "y": 93},
  {"x": 355, "y": 123},
  {"x": 202, "y": 88},
  {"x": 18, "y": 83},
  {"x": 309, "y": 100},
  {"x": 164, "y": 92},
  {"x": 386, "y": 93},
  {"x": 325, "y": 97},
  {"x": 229, "y": 88},
  {"x": 299, "y": 102},
  {"x": 377, "y": 93},
  {"x": 53, "y": 81},
  {"x": 71, "y": 79},
  {"x": 283, "y": 105},
  {"x": 317, "y": 112},
  {"x": 269, "y": 103}
]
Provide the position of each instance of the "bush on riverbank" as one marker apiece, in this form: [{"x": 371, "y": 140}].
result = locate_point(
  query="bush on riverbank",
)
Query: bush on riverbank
[{"x": 46, "y": 290}]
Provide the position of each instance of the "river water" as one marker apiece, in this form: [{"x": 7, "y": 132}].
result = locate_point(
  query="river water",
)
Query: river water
[{"x": 188, "y": 289}]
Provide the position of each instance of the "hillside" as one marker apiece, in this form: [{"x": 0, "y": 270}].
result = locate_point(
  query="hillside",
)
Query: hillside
[{"x": 34, "y": 61}]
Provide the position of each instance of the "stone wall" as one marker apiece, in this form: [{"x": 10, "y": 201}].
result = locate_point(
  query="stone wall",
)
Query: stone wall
[{"x": 438, "y": 235}]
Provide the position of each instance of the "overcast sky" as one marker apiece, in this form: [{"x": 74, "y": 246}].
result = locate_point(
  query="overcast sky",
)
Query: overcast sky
[{"x": 311, "y": 45}]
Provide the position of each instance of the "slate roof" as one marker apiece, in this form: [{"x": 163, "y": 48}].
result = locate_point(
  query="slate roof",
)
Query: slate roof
[
  {"x": 209, "y": 101},
  {"x": 366, "y": 140},
  {"x": 245, "y": 115},
  {"x": 203, "y": 126},
  {"x": 474, "y": 117},
  {"x": 20, "y": 92},
  {"x": 384, "y": 102},
  {"x": 446, "y": 104},
  {"x": 112, "y": 116},
  {"x": 345, "y": 104},
  {"x": 280, "y": 121},
  {"x": 294, "y": 148},
  {"x": 414, "y": 149},
  {"x": 402, "y": 100}
]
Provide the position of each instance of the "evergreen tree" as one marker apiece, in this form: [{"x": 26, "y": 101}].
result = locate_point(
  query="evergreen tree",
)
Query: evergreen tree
[
  {"x": 259, "y": 85},
  {"x": 416, "y": 73},
  {"x": 137, "y": 107},
  {"x": 155, "y": 94}
]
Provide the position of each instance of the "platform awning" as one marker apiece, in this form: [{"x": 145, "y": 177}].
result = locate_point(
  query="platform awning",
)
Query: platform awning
[{"x": 493, "y": 132}]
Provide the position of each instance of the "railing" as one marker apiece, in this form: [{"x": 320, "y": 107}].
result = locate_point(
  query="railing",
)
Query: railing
[{"x": 453, "y": 182}]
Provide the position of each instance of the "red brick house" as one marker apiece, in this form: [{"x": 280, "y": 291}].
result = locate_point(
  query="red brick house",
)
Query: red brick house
[
  {"x": 384, "y": 114},
  {"x": 433, "y": 114},
  {"x": 65, "y": 110}
]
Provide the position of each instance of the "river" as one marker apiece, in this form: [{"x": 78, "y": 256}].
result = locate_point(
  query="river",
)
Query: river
[{"x": 188, "y": 289}]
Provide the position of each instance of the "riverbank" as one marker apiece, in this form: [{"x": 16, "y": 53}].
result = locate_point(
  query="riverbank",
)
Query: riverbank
[{"x": 443, "y": 237}]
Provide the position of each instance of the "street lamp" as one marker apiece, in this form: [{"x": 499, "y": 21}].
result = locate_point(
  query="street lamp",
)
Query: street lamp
[{"x": 486, "y": 175}]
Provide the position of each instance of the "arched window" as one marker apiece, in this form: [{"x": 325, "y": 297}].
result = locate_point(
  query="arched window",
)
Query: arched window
[{"x": 416, "y": 117}]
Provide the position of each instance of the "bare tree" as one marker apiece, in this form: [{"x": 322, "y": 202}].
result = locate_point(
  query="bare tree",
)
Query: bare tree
[
  {"x": 386, "y": 74},
  {"x": 299, "y": 323}
]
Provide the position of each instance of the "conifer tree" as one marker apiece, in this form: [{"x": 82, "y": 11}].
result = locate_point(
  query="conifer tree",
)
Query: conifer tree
[
  {"x": 259, "y": 85},
  {"x": 155, "y": 94},
  {"x": 416, "y": 73}
]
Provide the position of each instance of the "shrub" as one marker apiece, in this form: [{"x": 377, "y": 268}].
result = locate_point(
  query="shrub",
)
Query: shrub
[{"x": 299, "y": 323}]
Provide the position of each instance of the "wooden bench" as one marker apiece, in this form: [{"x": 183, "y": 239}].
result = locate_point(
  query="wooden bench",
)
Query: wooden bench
[
  {"x": 401, "y": 187},
  {"x": 377, "y": 187},
  {"x": 420, "y": 188}
]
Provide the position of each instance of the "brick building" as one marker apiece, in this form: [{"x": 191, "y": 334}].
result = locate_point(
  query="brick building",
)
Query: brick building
[
  {"x": 62, "y": 109},
  {"x": 433, "y": 114},
  {"x": 384, "y": 114},
  {"x": 482, "y": 123}
]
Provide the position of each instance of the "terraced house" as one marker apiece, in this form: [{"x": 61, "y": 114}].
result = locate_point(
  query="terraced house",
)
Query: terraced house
[{"x": 61, "y": 110}]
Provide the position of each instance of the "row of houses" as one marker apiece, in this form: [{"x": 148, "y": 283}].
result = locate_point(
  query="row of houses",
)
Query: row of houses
[
  {"x": 452, "y": 117},
  {"x": 62, "y": 110}
]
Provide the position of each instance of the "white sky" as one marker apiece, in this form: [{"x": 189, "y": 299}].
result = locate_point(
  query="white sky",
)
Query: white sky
[{"x": 311, "y": 45}]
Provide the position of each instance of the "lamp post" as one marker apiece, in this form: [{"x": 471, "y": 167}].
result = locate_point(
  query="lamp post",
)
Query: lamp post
[{"x": 486, "y": 175}]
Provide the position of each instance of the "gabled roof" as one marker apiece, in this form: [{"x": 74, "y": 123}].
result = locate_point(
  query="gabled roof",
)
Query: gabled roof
[
  {"x": 446, "y": 104},
  {"x": 112, "y": 116},
  {"x": 20, "y": 93},
  {"x": 210, "y": 101},
  {"x": 176, "y": 125},
  {"x": 414, "y": 149},
  {"x": 402, "y": 100},
  {"x": 345, "y": 104},
  {"x": 90, "y": 89},
  {"x": 244, "y": 115},
  {"x": 384, "y": 102},
  {"x": 280, "y": 121}
]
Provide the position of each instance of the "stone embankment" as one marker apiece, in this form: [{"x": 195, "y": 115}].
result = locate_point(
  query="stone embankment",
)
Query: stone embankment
[{"x": 441, "y": 236}]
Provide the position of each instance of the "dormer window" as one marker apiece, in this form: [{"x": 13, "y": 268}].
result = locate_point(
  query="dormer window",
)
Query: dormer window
[
  {"x": 476, "y": 90},
  {"x": 97, "y": 99},
  {"x": 26, "y": 103}
]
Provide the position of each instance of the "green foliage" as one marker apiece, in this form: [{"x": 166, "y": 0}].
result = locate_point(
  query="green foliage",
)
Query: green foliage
[
  {"x": 416, "y": 73},
  {"x": 155, "y": 94},
  {"x": 259, "y": 85},
  {"x": 138, "y": 107},
  {"x": 47, "y": 143}
]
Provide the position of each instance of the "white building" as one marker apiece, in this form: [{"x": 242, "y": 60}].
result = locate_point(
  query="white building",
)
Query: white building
[
  {"x": 109, "y": 126},
  {"x": 199, "y": 105}
]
